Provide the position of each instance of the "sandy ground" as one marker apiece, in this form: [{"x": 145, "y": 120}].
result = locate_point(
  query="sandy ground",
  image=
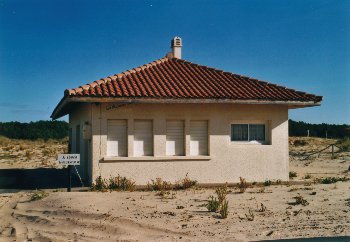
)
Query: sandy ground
[{"x": 182, "y": 216}]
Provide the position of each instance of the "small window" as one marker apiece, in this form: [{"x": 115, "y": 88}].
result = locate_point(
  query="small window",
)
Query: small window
[{"x": 248, "y": 132}]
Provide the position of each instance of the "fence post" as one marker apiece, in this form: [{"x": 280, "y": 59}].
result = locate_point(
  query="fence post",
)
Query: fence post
[{"x": 332, "y": 151}]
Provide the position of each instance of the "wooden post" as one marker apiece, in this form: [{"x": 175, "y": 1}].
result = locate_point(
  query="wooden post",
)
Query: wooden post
[{"x": 332, "y": 152}]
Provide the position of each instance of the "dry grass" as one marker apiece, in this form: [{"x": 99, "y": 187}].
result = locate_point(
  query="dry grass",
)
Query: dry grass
[{"x": 30, "y": 154}]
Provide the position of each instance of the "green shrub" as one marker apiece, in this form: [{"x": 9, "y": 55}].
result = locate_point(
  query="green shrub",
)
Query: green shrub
[
  {"x": 330, "y": 180},
  {"x": 292, "y": 174},
  {"x": 243, "y": 185},
  {"x": 185, "y": 183},
  {"x": 344, "y": 144},
  {"x": 300, "y": 200},
  {"x": 300, "y": 142},
  {"x": 213, "y": 204},
  {"x": 120, "y": 183},
  {"x": 224, "y": 209},
  {"x": 221, "y": 192},
  {"x": 159, "y": 185},
  {"x": 37, "y": 195},
  {"x": 220, "y": 204},
  {"x": 100, "y": 184},
  {"x": 307, "y": 176},
  {"x": 267, "y": 183}
]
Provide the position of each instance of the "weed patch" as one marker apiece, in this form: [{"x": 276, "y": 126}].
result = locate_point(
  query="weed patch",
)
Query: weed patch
[
  {"x": 100, "y": 185},
  {"x": 213, "y": 204},
  {"x": 37, "y": 195},
  {"x": 307, "y": 176},
  {"x": 344, "y": 144},
  {"x": 220, "y": 203},
  {"x": 292, "y": 174},
  {"x": 243, "y": 185},
  {"x": 224, "y": 209},
  {"x": 330, "y": 180},
  {"x": 159, "y": 185},
  {"x": 300, "y": 200},
  {"x": 185, "y": 183},
  {"x": 120, "y": 183},
  {"x": 267, "y": 183}
]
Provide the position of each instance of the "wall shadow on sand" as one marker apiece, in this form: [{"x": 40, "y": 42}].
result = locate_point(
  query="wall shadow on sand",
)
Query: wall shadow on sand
[{"x": 39, "y": 178}]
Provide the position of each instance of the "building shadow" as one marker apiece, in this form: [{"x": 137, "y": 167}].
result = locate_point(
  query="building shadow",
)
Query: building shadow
[{"x": 39, "y": 178}]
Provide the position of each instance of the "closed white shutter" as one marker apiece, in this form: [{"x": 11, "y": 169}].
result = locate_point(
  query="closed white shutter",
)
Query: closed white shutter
[
  {"x": 143, "y": 138},
  {"x": 199, "y": 138},
  {"x": 117, "y": 138},
  {"x": 175, "y": 138}
]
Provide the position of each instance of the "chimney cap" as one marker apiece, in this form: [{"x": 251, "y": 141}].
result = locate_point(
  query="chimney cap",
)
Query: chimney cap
[{"x": 176, "y": 42}]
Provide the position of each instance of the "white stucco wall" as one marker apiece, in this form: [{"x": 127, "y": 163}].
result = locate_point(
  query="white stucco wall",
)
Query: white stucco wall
[{"x": 228, "y": 161}]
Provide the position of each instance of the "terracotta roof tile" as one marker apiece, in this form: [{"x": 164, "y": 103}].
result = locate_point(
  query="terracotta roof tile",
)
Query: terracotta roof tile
[{"x": 175, "y": 78}]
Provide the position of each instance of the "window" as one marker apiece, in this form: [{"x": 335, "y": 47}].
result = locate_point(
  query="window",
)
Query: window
[
  {"x": 175, "y": 144},
  {"x": 77, "y": 139},
  {"x": 199, "y": 138},
  {"x": 143, "y": 138},
  {"x": 117, "y": 138},
  {"x": 248, "y": 132}
]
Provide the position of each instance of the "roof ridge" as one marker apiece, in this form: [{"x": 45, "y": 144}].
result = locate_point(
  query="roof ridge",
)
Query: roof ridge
[{"x": 142, "y": 67}]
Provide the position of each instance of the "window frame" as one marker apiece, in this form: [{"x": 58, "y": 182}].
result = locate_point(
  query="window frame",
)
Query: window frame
[{"x": 266, "y": 141}]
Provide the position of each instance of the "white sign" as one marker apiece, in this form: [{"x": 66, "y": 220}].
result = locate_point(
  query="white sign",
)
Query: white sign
[{"x": 69, "y": 159}]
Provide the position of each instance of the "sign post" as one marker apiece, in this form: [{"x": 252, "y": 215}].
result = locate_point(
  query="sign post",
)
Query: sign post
[{"x": 69, "y": 159}]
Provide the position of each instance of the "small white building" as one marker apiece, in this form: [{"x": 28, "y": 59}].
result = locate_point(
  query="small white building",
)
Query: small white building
[{"x": 172, "y": 117}]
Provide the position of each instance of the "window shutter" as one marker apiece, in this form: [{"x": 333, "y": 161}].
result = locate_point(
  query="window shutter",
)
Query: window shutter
[
  {"x": 175, "y": 138},
  {"x": 143, "y": 138},
  {"x": 199, "y": 138},
  {"x": 117, "y": 138}
]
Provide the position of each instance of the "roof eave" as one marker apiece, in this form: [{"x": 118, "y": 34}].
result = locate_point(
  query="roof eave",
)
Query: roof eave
[{"x": 60, "y": 111}]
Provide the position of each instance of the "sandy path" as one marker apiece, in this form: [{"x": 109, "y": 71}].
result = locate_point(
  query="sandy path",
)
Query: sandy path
[
  {"x": 144, "y": 216},
  {"x": 53, "y": 219}
]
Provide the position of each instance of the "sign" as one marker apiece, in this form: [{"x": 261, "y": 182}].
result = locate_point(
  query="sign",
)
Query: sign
[
  {"x": 69, "y": 159},
  {"x": 114, "y": 106}
]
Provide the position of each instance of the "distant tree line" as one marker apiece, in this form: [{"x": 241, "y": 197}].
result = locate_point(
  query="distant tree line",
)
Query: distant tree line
[
  {"x": 318, "y": 130},
  {"x": 34, "y": 130},
  {"x": 59, "y": 129}
]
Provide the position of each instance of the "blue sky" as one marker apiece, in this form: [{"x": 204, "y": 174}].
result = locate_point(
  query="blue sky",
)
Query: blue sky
[{"x": 49, "y": 46}]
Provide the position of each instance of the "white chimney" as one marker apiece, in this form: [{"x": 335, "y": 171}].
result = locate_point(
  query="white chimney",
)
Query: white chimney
[{"x": 176, "y": 45}]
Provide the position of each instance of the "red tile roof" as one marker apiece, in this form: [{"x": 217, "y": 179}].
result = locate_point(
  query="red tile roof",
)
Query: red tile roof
[
  {"x": 175, "y": 78},
  {"x": 171, "y": 79}
]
